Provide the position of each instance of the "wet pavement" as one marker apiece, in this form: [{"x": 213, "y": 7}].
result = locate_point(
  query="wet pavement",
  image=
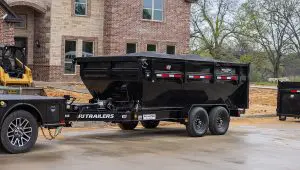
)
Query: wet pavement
[{"x": 263, "y": 146}]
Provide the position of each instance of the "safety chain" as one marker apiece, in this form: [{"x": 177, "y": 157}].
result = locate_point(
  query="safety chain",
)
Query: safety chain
[{"x": 52, "y": 136}]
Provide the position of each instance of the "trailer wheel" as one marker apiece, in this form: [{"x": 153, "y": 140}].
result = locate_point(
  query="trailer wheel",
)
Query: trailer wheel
[
  {"x": 150, "y": 124},
  {"x": 128, "y": 125},
  {"x": 282, "y": 118},
  {"x": 197, "y": 125},
  {"x": 219, "y": 120},
  {"x": 19, "y": 132}
]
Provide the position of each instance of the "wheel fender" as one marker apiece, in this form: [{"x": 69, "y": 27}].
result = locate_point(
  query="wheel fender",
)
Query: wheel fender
[{"x": 20, "y": 105}]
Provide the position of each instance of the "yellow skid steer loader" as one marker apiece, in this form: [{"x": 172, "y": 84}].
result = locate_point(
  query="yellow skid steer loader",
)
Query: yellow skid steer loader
[{"x": 13, "y": 72}]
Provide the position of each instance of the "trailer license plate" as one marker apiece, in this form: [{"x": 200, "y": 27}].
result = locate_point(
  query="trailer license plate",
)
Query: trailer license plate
[{"x": 149, "y": 117}]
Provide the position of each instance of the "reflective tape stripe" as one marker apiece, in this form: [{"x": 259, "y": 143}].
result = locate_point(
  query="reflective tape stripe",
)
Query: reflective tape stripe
[
  {"x": 169, "y": 75},
  {"x": 295, "y": 91},
  {"x": 200, "y": 77},
  {"x": 227, "y": 78}
]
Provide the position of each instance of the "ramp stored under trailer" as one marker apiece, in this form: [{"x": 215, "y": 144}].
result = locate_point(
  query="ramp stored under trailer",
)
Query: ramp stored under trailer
[{"x": 151, "y": 87}]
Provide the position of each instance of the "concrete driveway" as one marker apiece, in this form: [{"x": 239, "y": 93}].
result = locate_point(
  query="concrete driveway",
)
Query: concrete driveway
[{"x": 261, "y": 146}]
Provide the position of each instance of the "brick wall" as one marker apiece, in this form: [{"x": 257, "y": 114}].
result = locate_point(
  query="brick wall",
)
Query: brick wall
[
  {"x": 65, "y": 25},
  {"x": 6, "y": 30},
  {"x": 124, "y": 24}
]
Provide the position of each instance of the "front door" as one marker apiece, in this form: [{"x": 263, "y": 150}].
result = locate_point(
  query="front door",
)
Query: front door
[{"x": 22, "y": 43}]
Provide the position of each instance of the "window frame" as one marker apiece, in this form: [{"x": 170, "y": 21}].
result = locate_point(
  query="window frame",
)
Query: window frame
[
  {"x": 24, "y": 20},
  {"x": 153, "y": 10},
  {"x": 86, "y": 8},
  {"x": 151, "y": 44},
  {"x": 76, "y": 41},
  {"x": 136, "y": 47},
  {"x": 171, "y": 46},
  {"x": 83, "y": 41}
]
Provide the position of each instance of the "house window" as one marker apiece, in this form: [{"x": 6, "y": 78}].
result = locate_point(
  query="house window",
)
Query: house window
[
  {"x": 171, "y": 49},
  {"x": 151, "y": 47},
  {"x": 81, "y": 7},
  {"x": 87, "y": 49},
  {"x": 70, "y": 54},
  {"x": 131, "y": 48},
  {"x": 23, "y": 23},
  {"x": 153, "y": 10}
]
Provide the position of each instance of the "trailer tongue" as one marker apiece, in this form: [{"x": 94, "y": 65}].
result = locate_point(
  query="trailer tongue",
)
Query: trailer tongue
[{"x": 151, "y": 87}]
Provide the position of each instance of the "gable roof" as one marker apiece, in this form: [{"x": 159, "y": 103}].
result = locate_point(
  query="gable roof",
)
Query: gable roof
[{"x": 11, "y": 16}]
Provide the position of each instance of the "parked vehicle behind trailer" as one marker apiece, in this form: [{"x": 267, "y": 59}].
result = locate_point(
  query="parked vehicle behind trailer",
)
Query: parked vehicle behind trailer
[
  {"x": 22, "y": 115},
  {"x": 150, "y": 87},
  {"x": 288, "y": 100}
]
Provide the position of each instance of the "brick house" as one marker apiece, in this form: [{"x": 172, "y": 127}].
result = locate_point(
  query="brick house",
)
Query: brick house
[
  {"x": 55, "y": 31},
  {"x": 7, "y": 20}
]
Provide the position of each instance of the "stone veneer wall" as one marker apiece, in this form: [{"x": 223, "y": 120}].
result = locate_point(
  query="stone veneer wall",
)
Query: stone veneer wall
[
  {"x": 66, "y": 26},
  {"x": 41, "y": 61}
]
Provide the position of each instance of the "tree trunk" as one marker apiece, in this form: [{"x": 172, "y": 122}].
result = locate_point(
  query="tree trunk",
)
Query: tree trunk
[{"x": 276, "y": 70}]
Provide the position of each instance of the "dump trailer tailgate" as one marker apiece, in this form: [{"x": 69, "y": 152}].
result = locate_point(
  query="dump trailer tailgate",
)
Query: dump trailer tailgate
[{"x": 288, "y": 102}]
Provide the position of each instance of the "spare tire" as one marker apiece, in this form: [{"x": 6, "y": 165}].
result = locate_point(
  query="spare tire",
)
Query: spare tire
[{"x": 150, "y": 124}]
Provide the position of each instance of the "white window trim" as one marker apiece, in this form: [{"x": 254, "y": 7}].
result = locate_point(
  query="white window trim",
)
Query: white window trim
[
  {"x": 73, "y": 74},
  {"x": 86, "y": 6},
  {"x": 152, "y": 12}
]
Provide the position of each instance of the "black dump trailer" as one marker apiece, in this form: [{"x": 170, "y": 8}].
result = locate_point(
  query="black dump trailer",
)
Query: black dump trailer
[
  {"x": 151, "y": 87},
  {"x": 288, "y": 100}
]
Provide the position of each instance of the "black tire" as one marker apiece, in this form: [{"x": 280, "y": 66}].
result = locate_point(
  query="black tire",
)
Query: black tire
[
  {"x": 130, "y": 125},
  {"x": 282, "y": 118},
  {"x": 197, "y": 125},
  {"x": 150, "y": 124},
  {"x": 19, "y": 132},
  {"x": 219, "y": 120}
]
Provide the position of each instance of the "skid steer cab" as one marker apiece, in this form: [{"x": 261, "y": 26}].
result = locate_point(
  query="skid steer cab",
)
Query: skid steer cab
[{"x": 13, "y": 71}]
